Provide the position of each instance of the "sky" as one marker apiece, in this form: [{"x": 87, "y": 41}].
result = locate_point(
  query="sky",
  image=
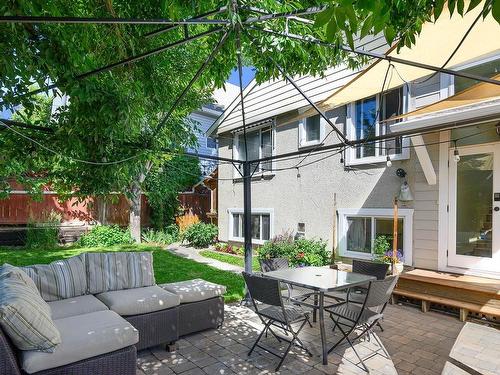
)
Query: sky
[{"x": 248, "y": 74}]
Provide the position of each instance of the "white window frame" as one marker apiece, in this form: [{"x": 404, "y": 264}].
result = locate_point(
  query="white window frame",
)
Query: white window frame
[
  {"x": 215, "y": 141},
  {"x": 351, "y": 135},
  {"x": 236, "y": 153},
  {"x": 382, "y": 213},
  {"x": 469, "y": 64},
  {"x": 303, "y": 135},
  {"x": 255, "y": 211}
]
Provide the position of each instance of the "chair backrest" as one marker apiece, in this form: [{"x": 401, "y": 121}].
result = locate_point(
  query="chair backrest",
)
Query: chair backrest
[
  {"x": 273, "y": 264},
  {"x": 263, "y": 289},
  {"x": 379, "y": 291},
  {"x": 379, "y": 270}
]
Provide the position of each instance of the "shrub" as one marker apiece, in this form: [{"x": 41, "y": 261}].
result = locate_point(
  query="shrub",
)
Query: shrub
[
  {"x": 105, "y": 235},
  {"x": 200, "y": 234},
  {"x": 44, "y": 234},
  {"x": 186, "y": 221},
  {"x": 165, "y": 237},
  {"x": 302, "y": 252}
]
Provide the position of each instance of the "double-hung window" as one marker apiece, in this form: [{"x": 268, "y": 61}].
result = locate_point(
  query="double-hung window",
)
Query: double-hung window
[
  {"x": 261, "y": 222},
  {"x": 358, "y": 229},
  {"x": 211, "y": 142},
  {"x": 311, "y": 131},
  {"x": 369, "y": 118},
  {"x": 259, "y": 144}
]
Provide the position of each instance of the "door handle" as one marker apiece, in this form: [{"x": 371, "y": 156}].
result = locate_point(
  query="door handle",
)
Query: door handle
[{"x": 496, "y": 209}]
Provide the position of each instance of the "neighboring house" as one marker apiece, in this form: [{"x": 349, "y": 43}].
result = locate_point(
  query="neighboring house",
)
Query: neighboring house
[
  {"x": 346, "y": 198},
  {"x": 204, "y": 119}
]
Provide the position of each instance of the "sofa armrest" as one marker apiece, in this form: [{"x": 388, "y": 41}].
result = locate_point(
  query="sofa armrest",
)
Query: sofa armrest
[{"x": 8, "y": 359}]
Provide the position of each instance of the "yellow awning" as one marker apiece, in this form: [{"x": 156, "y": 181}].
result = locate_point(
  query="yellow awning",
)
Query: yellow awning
[
  {"x": 434, "y": 45},
  {"x": 478, "y": 93}
]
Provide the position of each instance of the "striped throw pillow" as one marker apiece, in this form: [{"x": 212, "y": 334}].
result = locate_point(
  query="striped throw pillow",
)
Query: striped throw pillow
[
  {"x": 60, "y": 279},
  {"x": 24, "y": 315},
  {"x": 119, "y": 270}
]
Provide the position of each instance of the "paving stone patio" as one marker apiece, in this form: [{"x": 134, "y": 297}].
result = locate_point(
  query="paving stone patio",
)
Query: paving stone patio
[{"x": 418, "y": 344}]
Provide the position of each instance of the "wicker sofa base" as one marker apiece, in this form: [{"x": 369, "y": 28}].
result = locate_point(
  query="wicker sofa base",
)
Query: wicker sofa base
[
  {"x": 123, "y": 362},
  {"x": 202, "y": 315},
  {"x": 159, "y": 327}
]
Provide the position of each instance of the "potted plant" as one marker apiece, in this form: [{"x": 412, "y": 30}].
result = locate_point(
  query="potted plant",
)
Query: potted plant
[{"x": 384, "y": 254}]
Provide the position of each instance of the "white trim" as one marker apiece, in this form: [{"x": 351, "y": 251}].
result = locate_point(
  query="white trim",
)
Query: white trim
[
  {"x": 404, "y": 213},
  {"x": 351, "y": 158},
  {"x": 302, "y": 132},
  {"x": 424, "y": 159},
  {"x": 457, "y": 114},
  {"x": 236, "y": 141},
  {"x": 255, "y": 211},
  {"x": 444, "y": 145}
]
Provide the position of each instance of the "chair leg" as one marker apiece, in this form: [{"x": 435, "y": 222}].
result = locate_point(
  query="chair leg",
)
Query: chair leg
[
  {"x": 284, "y": 356},
  {"x": 260, "y": 336},
  {"x": 380, "y": 326},
  {"x": 357, "y": 354}
]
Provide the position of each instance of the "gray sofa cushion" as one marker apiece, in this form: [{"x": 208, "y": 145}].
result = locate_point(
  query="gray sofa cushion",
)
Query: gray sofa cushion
[
  {"x": 24, "y": 315},
  {"x": 83, "y": 336},
  {"x": 76, "y": 306},
  {"x": 65, "y": 278},
  {"x": 139, "y": 300},
  {"x": 195, "y": 290},
  {"x": 120, "y": 270}
]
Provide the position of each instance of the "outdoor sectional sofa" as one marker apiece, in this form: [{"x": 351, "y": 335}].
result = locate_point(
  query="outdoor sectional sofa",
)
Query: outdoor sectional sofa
[{"x": 105, "y": 307}]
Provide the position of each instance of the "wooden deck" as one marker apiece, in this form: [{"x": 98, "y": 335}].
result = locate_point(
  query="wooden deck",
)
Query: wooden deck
[{"x": 469, "y": 294}]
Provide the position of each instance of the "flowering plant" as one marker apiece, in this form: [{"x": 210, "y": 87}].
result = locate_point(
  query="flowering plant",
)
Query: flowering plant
[{"x": 389, "y": 256}]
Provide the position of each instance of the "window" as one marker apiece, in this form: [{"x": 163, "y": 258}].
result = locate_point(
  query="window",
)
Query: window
[
  {"x": 484, "y": 69},
  {"x": 358, "y": 229},
  {"x": 259, "y": 145},
  {"x": 311, "y": 131},
  {"x": 261, "y": 226},
  {"x": 211, "y": 142},
  {"x": 368, "y": 118}
]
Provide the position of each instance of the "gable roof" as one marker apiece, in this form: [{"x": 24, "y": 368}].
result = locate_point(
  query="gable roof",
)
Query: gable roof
[{"x": 276, "y": 97}]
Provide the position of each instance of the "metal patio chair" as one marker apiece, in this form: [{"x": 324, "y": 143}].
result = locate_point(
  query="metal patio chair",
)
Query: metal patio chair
[
  {"x": 274, "y": 313},
  {"x": 295, "y": 294},
  {"x": 349, "y": 317}
]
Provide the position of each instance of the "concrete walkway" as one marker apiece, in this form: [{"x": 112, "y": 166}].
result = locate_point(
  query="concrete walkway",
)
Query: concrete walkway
[{"x": 194, "y": 254}]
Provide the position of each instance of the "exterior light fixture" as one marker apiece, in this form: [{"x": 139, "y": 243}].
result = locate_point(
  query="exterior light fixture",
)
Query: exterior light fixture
[
  {"x": 456, "y": 154},
  {"x": 389, "y": 162}
]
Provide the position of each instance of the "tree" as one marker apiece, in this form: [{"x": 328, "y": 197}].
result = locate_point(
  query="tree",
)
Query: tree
[{"x": 108, "y": 138}]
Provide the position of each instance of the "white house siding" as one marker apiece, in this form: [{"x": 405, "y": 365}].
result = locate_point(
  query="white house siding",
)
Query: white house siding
[
  {"x": 426, "y": 209},
  {"x": 308, "y": 199}
]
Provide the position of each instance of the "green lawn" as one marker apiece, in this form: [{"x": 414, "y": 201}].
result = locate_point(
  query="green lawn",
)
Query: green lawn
[
  {"x": 167, "y": 267},
  {"x": 231, "y": 259}
]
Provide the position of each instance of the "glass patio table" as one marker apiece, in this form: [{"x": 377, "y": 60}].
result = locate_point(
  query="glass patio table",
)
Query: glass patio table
[{"x": 321, "y": 280}]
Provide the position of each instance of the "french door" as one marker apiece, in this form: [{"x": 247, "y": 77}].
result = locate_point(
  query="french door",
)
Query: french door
[{"x": 474, "y": 208}]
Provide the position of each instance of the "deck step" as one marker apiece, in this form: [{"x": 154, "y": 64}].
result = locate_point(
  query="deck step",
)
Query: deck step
[{"x": 469, "y": 294}]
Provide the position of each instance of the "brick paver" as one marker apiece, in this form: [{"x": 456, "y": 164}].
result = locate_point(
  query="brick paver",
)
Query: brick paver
[{"x": 418, "y": 343}]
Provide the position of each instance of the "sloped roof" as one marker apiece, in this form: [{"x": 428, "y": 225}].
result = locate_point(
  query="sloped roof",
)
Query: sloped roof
[{"x": 276, "y": 97}]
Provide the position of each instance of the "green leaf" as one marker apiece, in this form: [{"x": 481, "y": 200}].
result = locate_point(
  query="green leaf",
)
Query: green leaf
[
  {"x": 460, "y": 7},
  {"x": 451, "y": 6},
  {"x": 367, "y": 26},
  {"x": 495, "y": 10},
  {"x": 323, "y": 17},
  {"x": 331, "y": 30},
  {"x": 473, "y": 4},
  {"x": 350, "y": 40},
  {"x": 389, "y": 34}
]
